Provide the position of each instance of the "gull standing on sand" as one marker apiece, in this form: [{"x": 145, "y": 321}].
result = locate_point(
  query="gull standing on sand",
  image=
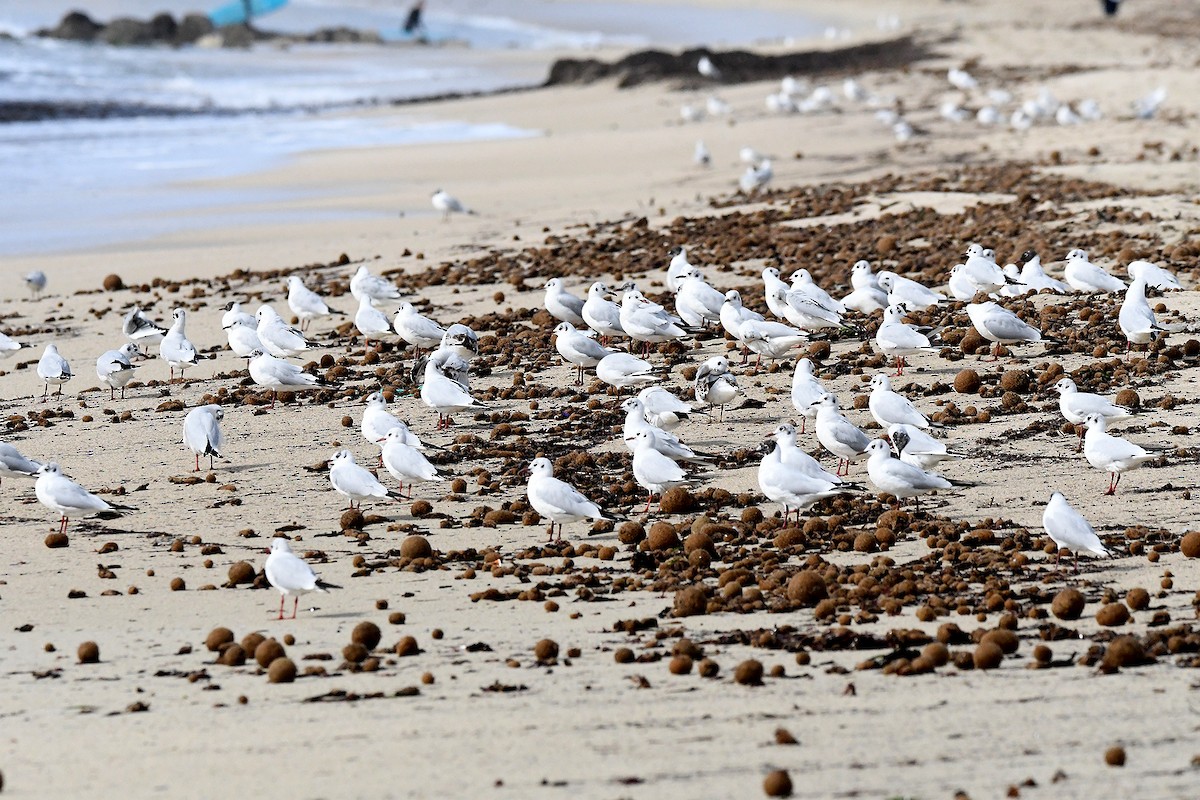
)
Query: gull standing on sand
[
  {"x": 791, "y": 455},
  {"x": 448, "y": 204},
  {"x": 982, "y": 271},
  {"x": 377, "y": 421},
  {"x": 281, "y": 376},
  {"x": 904, "y": 290},
  {"x": 278, "y": 338},
  {"x": 355, "y": 482},
  {"x": 756, "y": 177},
  {"x": 233, "y": 313},
  {"x": 997, "y": 324},
  {"x": 175, "y": 349},
  {"x": 578, "y": 349},
  {"x": 839, "y": 435},
  {"x": 696, "y": 302},
  {"x": 771, "y": 339},
  {"x": 889, "y": 407},
  {"x": 867, "y": 297},
  {"x": 914, "y": 446},
  {"x": 807, "y": 389},
  {"x": 444, "y": 394},
  {"x": 897, "y": 478},
  {"x": 791, "y": 487},
  {"x": 1084, "y": 276},
  {"x": 1136, "y": 319},
  {"x": 557, "y": 500},
  {"x": 139, "y": 328},
  {"x": 1034, "y": 276},
  {"x": 1112, "y": 454},
  {"x": 416, "y": 329},
  {"x": 53, "y": 368},
  {"x": 288, "y": 573},
  {"x": 666, "y": 443},
  {"x": 663, "y": 409},
  {"x": 733, "y": 313},
  {"x": 805, "y": 286},
  {"x": 15, "y": 465},
  {"x": 405, "y": 461},
  {"x": 601, "y": 314},
  {"x": 897, "y": 339},
  {"x": 36, "y": 282},
  {"x": 678, "y": 267},
  {"x": 653, "y": 471},
  {"x": 116, "y": 367},
  {"x": 643, "y": 323},
  {"x": 1153, "y": 275},
  {"x": 243, "y": 338},
  {"x": 306, "y": 304},
  {"x": 202, "y": 433},
  {"x": 372, "y": 323},
  {"x": 59, "y": 493},
  {"x": 621, "y": 370},
  {"x": 372, "y": 287},
  {"x": 8, "y": 346},
  {"x": 461, "y": 341},
  {"x": 561, "y": 304},
  {"x": 715, "y": 384},
  {"x": 1076, "y": 406},
  {"x": 1069, "y": 530},
  {"x": 700, "y": 154}
]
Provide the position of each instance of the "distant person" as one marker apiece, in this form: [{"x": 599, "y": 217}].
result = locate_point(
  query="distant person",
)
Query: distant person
[
  {"x": 413, "y": 25},
  {"x": 1110, "y": 6}
]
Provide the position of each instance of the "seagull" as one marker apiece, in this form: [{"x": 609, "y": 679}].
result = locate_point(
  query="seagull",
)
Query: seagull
[
  {"x": 1076, "y": 406},
  {"x": 281, "y": 376},
  {"x": 756, "y": 177},
  {"x": 678, "y": 267},
  {"x": 771, "y": 339},
  {"x": 803, "y": 284},
  {"x": 59, "y": 493},
  {"x": 889, "y": 407},
  {"x": 243, "y": 338},
  {"x": 374, "y": 288},
  {"x": 698, "y": 303},
  {"x": 653, "y": 471},
  {"x": 444, "y": 394},
  {"x": 1155, "y": 276},
  {"x": 1112, "y": 454},
  {"x": 897, "y": 339},
  {"x": 716, "y": 106},
  {"x": 839, "y": 435},
  {"x": 1069, "y": 530},
  {"x": 897, "y": 478},
  {"x": 175, "y": 349},
  {"x": 982, "y": 271},
  {"x": 8, "y": 346},
  {"x": 733, "y": 314},
  {"x": 557, "y": 500},
  {"x": 288, "y": 573},
  {"x": 233, "y": 313},
  {"x": 961, "y": 287},
  {"x": 115, "y": 367},
  {"x": 561, "y": 304},
  {"x": 997, "y": 324},
  {"x": 708, "y": 69},
  {"x": 643, "y": 323},
  {"x": 202, "y": 433},
  {"x": 15, "y": 465},
  {"x": 1147, "y": 106},
  {"x": 461, "y": 341},
  {"x": 372, "y": 323},
  {"x": 806, "y": 390},
  {"x": 791, "y": 455},
  {"x": 714, "y": 384},
  {"x": 961, "y": 79},
  {"x": 137, "y": 327},
  {"x": 377, "y": 422},
  {"x": 36, "y": 282},
  {"x": 914, "y": 446},
  {"x": 663, "y": 409},
  {"x": 1084, "y": 276},
  {"x": 278, "y": 338},
  {"x": 1136, "y": 319},
  {"x": 53, "y": 368},
  {"x": 578, "y": 349},
  {"x": 416, "y": 329},
  {"x": 666, "y": 443},
  {"x": 355, "y": 482},
  {"x": 867, "y": 296},
  {"x": 1035, "y": 277},
  {"x": 791, "y": 487},
  {"x": 801, "y": 311},
  {"x": 447, "y": 362},
  {"x": 622, "y": 370},
  {"x": 405, "y": 461},
  {"x": 601, "y": 314},
  {"x": 904, "y": 290},
  {"x": 448, "y": 204},
  {"x": 701, "y": 155},
  {"x": 306, "y": 304}
]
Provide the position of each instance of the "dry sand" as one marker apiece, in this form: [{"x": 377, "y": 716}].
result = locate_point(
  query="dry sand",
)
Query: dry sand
[{"x": 588, "y": 726}]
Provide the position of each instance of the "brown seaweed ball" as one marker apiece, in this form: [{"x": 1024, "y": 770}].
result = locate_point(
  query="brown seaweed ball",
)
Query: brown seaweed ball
[
  {"x": 630, "y": 533},
  {"x": 1112, "y": 615},
  {"x": 251, "y": 641},
  {"x": 1128, "y": 398},
  {"x": 1068, "y": 604},
  {"x": 88, "y": 653},
  {"x": 218, "y": 637},
  {"x": 966, "y": 381},
  {"x": 546, "y": 650},
  {"x": 807, "y": 588},
  {"x": 680, "y": 665},
  {"x": 1190, "y": 544},
  {"x": 416, "y": 547},
  {"x": 1006, "y": 640},
  {"x": 267, "y": 651},
  {"x": 458, "y": 485},
  {"x": 427, "y": 678},
  {"x": 407, "y": 647},
  {"x": 367, "y": 634},
  {"x": 987, "y": 655},
  {"x": 698, "y": 540},
  {"x": 421, "y": 508},
  {"x": 865, "y": 543},
  {"x": 282, "y": 670},
  {"x": 623, "y": 655},
  {"x": 708, "y": 668},
  {"x": 936, "y": 653},
  {"x": 1015, "y": 380},
  {"x": 1042, "y": 654},
  {"x": 396, "y": 618},
  {"x": 352, "y": 520},
  {"x": 676, "y": 501},
  {"x": 1123, "y": 651},
  {"x": 1137, "y": 598},
  {"x": 1115, "y": 756},
  {"x": 381, "y": 605},
  {"x": 57, "y": 539},
  {"x": 777, "y": 784},
  {"x": 355, "y": 653},
  {"x": 232, "y": 656},
  {"x": 818, "y": 351},
  {"x": 784, "y": 736},
  {"x": 662, "y": 536},
  {"x": 113, "y": 283},
  {"x": 241, "y": 572},
  {"x": 288, "y": 640},
  {"x": 749, "y": 673},
  {"x": 690, "y": 601},
  {"x": 177, "y": 585}
]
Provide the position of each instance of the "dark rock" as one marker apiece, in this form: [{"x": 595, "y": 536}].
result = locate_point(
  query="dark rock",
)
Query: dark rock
[
  {"x": 75, "y": 26},
  {"x": 163, "y": 27},
  {"x": 126, "y": 31},
  {"x": 193, "y": 27}
]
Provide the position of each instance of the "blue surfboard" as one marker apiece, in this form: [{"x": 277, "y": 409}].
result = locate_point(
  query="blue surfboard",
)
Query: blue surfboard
[{"x": 234, "y": 12}]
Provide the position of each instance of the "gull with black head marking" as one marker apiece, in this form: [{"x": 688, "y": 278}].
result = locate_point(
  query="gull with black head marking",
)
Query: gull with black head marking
[{"x": 291, "y": 575}]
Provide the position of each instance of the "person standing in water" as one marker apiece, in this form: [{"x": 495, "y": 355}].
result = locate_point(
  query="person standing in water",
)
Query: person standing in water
[{"x": 413, "y": 26}]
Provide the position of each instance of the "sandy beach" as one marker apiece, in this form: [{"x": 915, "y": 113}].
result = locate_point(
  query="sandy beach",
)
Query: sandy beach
[{"x": 877, "y": 674}]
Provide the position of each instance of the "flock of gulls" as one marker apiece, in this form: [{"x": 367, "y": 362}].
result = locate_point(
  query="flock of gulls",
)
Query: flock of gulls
[{"x": 612, "y": 331}]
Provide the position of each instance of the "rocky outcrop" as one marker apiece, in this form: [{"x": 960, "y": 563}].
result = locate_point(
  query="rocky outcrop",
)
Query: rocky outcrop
[
  {"x": 75, "y": 26},
  {"x": 737, "y": 66}
]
